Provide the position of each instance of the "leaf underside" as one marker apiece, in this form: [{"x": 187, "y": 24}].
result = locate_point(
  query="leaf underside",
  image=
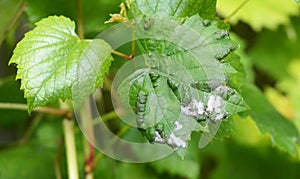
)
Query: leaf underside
[{"x": 183, "y": 86}]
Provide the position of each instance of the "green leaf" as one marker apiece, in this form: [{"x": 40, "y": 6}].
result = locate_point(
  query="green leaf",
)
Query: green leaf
[
  {"x": 177, "y": 8},
  {"x": 259, "y": 14},
  {"x": 283, "y": 133},
  {"x": 274, "y": 61},
  {"x": 181, "y": 87},
  {"x": 50, "y": 60},
  {"x": 240, "y": 161}
]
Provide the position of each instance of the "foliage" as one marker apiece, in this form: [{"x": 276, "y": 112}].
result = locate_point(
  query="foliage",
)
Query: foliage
[
  {"x": 192, "y": 85},
  {"x": 49, "y": 57},
  {"x": 279, "y": 11}
]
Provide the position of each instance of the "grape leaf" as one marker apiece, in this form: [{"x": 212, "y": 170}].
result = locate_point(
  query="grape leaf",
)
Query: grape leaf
[
  {"x": 177, "y": 8},
  {"x": 259, "y": 14},
  {"x": 274, "y": 61},
  {"x": 240, "y": 161},
  {"x": 50, "y": 57},
  {"x": 181, "y": 87},
  {"x": 283, "y": 133}
]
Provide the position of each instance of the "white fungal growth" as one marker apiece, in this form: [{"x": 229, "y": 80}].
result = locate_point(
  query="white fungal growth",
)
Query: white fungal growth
[
  {"x": 175, "y": 141},
  {"x": 215, "y": 108},
  {"x": 222, "y": 89},
  {"x": 158, "y": 138},
  {"x": 219, "y": 116},
  {"x": 178, "y": 126},
  {"x": 195, "y": 108},
  {"x": 214, "y": 104}
]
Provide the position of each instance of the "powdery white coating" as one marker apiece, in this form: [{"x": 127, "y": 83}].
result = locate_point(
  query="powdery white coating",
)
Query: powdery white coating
[
  {"x": 175, "y": 141},
  {"x": 222, "y": 89},
  {"x": 219, "y": 116},
  {"x": 158, "y": 138},
  {"x": 214, "y": 107},
  {"x": 193, "y": 109},
  {"x": 178, "y": 126},
  {"x": 214, "y": 104}
]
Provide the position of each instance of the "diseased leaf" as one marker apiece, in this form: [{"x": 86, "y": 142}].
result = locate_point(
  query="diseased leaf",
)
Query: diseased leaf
[
  {"x": 259, "y": 14},
  {"x": 176, "y": 8},
  {"x": 180, "y": 86},
  {"x": 283, "y": 133},
  {"x": 51, "y": 57}
]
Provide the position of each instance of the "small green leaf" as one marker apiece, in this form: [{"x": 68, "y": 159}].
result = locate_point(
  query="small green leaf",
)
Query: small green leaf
[
  {"x": 283, "y": 133},
  {"x": 50, "y": 59}
]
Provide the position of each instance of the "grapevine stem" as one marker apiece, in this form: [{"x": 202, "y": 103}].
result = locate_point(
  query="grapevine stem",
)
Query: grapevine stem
[
  {"x": 133, "y": 45},
  {"x": 89, "y": 150},
  {"x": 80, "y": 29},
  {"x": 226, "y": 20},
  {"x": 120, "y": 54},
  {"x": 57, "y": 159},
  {"x": 86, "y": 115},
  {"x": 132, "y": 55},
  {"x": 18, "y": 106},
  {"x": 68, "y": 126}
]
